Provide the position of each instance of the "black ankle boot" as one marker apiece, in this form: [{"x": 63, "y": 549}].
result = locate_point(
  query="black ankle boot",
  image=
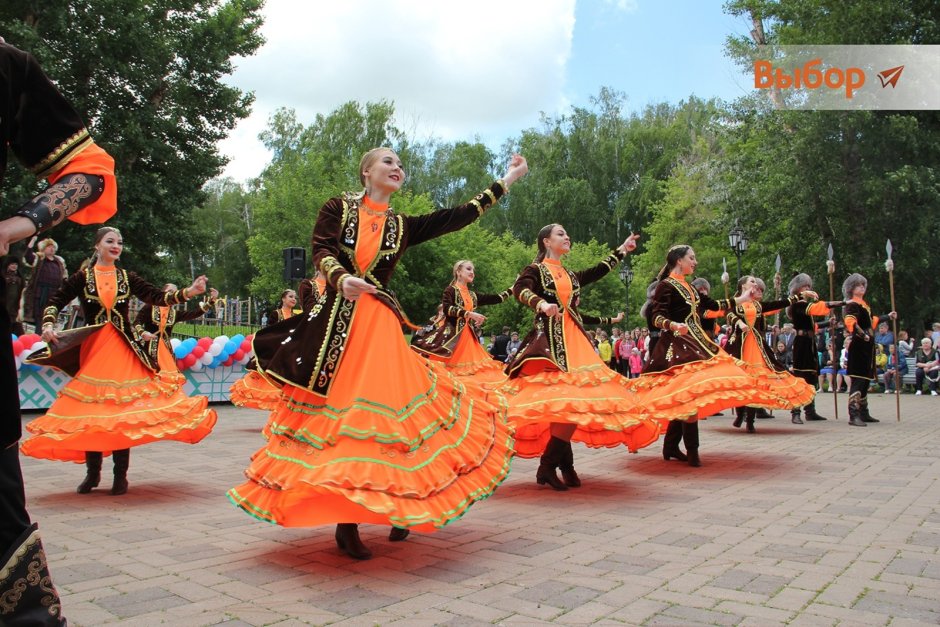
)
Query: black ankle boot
[
  {"x": 122, "y": 460},
  {"x": 549, "y": 461},
  {"x": 92, "y": 472},
  {"x": 751, "y": 414},
  {"x": 690, "y": 436},
  {"x": 671, "y": 442},
  {"x": 739, "y": 413},
  {"x": 795, "y": 416},
  {"x": 347, "y": 539},
  {"x": 397, "y": 534},
  {"x": 855, "y": 412},
  {"x": 566, "y": 466},
  {"x": 810, "y": 412},
  {"x": 866, "y": 417}
]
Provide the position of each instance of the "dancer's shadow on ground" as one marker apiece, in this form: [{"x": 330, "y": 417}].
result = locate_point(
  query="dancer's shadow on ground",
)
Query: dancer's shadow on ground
[
  {"x": 719, "y": 463},
  {"x": 762, "y": 430}
]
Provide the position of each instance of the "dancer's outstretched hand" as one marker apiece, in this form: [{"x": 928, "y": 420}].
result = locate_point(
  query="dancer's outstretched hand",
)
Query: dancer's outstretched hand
[
  {"x": 629, "y": 244},
  {"x": 518, "y": 167}
]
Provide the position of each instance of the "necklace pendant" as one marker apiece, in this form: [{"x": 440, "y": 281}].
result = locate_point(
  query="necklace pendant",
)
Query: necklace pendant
[{"x": 375, "y": 227}]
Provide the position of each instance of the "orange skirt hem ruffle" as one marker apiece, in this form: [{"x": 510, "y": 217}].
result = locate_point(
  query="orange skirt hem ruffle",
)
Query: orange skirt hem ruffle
[
  {"x": 255, "y": 392},
  {"x": 699, "y": 389},
  {"x": 601, "y": 404}
]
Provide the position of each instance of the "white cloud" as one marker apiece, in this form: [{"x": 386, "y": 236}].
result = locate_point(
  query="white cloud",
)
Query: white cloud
[
  {"x": 453, "y": 69},
  {"x": 627, "y": 6}
]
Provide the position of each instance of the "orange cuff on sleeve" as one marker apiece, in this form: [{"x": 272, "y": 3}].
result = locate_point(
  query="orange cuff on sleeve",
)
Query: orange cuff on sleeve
[{"x": 93, "y": 160}]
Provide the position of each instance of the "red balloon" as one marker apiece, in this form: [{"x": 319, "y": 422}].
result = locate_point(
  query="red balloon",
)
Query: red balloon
[
  {"x": 204, "y": 342},
  {"x": 250, "y": 337},
  {"x": 238, "y": 354},
  {"x": 189, "y": 360},
  {"x": 181, "y": 364},
  {"x": 245, "y": 346},
  {"x": 18, "y": 346},
  {"x": 198, "y": 351},
  {"x": 28, "y": 340},
  {"x": 228, "y": 362}
]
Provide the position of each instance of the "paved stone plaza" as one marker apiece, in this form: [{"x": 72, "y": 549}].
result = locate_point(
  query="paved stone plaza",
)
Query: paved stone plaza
[{"x": 815, "y": 524}]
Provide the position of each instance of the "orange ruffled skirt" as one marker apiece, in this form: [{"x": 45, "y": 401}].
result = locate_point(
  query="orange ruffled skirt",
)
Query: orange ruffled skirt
[
  {"x": 790, "y": 391},
  {"x": 600, "y": 403},
  {"x": 254, "y": 391},
  {"x": 470, "y": 361},
  {"x": 114, "y": 402},
  {"x": 168, "y": 373},
  {"x": 398, "y": 440},
  {"x": 698, "y": 389}
]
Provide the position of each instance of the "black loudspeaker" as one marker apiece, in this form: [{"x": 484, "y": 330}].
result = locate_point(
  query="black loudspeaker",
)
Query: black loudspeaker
[{"x": 295, "y": 263}]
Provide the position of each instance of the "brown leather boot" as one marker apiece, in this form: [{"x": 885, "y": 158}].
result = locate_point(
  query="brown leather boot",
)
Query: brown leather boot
[
  {"x": 690, "y": 437},
  {"x": 671, "y": 441},
  {"x": 122, "y": 460},
  {"x": 549, "y": 461},
  {"x": 347, "y": 539},
  {"x": 92, "y": 472},
  {"x": 855, "y": 411},
  {"x": 566, "y": 466}
]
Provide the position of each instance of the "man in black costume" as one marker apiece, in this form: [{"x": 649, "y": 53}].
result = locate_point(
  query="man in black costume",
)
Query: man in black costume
[{"x": 47, "y": 136}]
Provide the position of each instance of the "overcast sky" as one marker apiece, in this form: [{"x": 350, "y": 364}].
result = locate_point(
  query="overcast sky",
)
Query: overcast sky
[{"x": 486, "y": 68}]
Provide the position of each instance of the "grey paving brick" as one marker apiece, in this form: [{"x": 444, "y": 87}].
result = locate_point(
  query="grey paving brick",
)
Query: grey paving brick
[
  {"x": 140, "y": 602},
  {"x": 902, "y": 606},
  {"x": 773, "y": 528}
]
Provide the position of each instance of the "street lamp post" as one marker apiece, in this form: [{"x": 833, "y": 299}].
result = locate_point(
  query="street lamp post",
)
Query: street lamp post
[
  {"x": 738, "y": 240},
  {"x": 626, "y": 277}
]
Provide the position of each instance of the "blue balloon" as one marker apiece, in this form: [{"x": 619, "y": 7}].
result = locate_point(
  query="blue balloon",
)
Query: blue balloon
[
  {"x": 231, "y": 346},
  {"x": 238, "y": 339},
  {"x": 14, "y": 336},
  {"x": 180, "y": 351},
  {"x": 189, "y": 343}
]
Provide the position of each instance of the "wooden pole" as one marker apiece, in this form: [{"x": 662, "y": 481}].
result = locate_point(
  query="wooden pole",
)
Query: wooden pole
[
  {"x": 889, "y": 266},
  {"x": 831, "y": 268}
]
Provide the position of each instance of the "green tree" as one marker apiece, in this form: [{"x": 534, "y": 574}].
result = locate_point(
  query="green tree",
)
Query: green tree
[
  {"x": 800, "y": 180},
  {"x": 147, "y": 79}
]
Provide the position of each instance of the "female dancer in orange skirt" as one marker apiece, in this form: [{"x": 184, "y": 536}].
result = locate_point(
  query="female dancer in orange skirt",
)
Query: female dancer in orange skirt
[
  {"x": 747, "y": 344},
  {"x": 366, "y": 430},
  {"x": 456, "y": 342},
  {"x": 154, "y": 325},
  {"x": 559, "y": 389},
  {"x": 115, "y": 400},
  {"x": 254, "y": 390},
  {"x": 688, "y": 377}
]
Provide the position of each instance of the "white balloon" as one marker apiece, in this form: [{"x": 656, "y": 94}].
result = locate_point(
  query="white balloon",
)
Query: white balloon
[
  {"x": 222, "y": 339},
  {"x": 174, "y": 342},
  {"x": 19, "y": 361},
  {"x": 38, "y": 345},
  {"x": 214, "y": 350},
  {"x": 206, "y": 359},
  {"x": 197, "y": 366}
]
